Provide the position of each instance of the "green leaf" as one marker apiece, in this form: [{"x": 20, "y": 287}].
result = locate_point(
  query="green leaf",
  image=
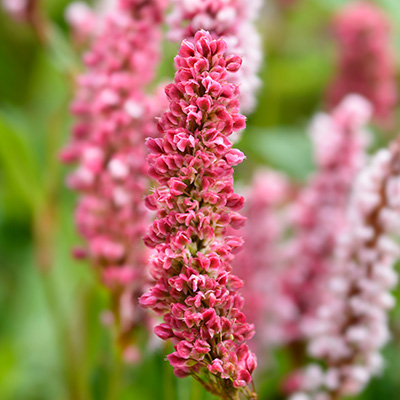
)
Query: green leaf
[
  {"x": 284, "y": 148},
  {"x": 18, "y": 163},
  {"x": 393, "y": 9},
  {"x": 61, "y": 53}
]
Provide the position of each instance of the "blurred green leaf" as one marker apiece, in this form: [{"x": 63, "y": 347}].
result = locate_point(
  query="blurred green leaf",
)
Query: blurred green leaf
[
  {"x": 284, "y": 148},
  {"x": 61, "y": 53},
  {"x": 285, "y": 73},
  {"x": 393, "y": 9},
  {"x": 19, "y": 164},
  {"x": 331, "y": 5}
]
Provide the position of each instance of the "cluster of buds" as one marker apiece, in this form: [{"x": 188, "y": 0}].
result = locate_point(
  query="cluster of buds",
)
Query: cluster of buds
[
  {"x": 194, "y": 289},
  {"x": 233, "y": 20},
  {"x": 114, "y": 117},
  {"x": 352, "y": 322},
  {"x": 366, "y": 61}
]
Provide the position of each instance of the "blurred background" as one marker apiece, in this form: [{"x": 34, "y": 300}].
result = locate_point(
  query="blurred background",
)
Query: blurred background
[{"x": 52, "y": 342}]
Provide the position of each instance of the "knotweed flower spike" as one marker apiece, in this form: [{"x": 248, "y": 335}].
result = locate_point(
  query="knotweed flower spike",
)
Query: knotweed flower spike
[
  {"x": 366, "y": 60},
  {"x": 233, "y": 20},
  {"x": 194, "y": 289},
  {"x": 319, "y": 211},
  {"x": 352, "y": 323},
  {"x": 260, "y": 262},
  {"x": 114, "y": 117}
]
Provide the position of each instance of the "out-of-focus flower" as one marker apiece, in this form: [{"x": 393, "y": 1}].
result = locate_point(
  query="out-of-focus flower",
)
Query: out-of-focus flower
[
  {"x": 86, "y": 21},
  {"x": 19, "y": 9},
  {"x": 114, "y": 117},
  {"x": 260, "y": 262},
  {"x": 366, "y": 61},
  {"x": 194, "y": 289},
  {"x": 82, "y": 19},
  {"x": 319, "y": 212},
  {"x": 234, "y": 20},
  {"x": 351, "y": 325}
]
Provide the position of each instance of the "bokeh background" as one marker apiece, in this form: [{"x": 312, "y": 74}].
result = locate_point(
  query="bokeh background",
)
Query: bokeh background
[{"x": 53, "y": 345}]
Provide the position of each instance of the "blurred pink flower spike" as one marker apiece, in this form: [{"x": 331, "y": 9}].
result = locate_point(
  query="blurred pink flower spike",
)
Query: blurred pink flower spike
[
  {"x": 233, "y": 20},
  {"x": 319, "y": 211},
  {"x": 114, "y": 116},
  {"x": 193, "y": 162},
  {"x": 366, "y": 64},
  {"x": 351, "y": 326}
]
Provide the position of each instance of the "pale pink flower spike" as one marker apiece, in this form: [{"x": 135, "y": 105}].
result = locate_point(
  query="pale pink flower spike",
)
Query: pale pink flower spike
[{"x": 352, "y": 323}]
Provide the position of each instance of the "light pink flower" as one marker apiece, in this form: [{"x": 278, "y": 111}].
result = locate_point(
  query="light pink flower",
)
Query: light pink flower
[
  {"x": 114, "y": 116},
  {"x": 366, "y": 61},
  {"x": 352, "y": 323},
  {"x": 82, "y": 19},
  {"x": 193, "y": 162},
  {"x": 234, "y": 21},
  {"x": 319, "y": 212}
]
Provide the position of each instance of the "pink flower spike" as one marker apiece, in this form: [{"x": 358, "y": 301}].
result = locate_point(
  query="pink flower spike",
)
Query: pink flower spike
[
  {"x": 366, "y": 64},
  {"x": 319, "y": 211},
  {"x": 233, "y": 20},
  {"x": 354, "y": 313},
  {"x": 114, "y": 117},
  {"x": 199, "y": 300}
]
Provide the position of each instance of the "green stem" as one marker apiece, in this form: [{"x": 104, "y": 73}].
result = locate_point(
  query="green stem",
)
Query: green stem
[
  {"x": 196, "y": 391},
  {"x": 168, "y": 383},
  {"x": 75, "y": 386},
  {"x": 116, "y": 367}
]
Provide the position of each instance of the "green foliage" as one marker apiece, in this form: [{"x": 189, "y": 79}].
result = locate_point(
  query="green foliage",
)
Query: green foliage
[
  {"x": 19, "y": 167},
  {"x": 286, "y": 149}
]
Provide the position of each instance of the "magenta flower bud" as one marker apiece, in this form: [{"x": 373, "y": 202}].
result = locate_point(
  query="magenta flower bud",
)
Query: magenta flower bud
[
  {"x": 163, "y": 331},
  {"x": 176, "y": 361},
  {"x": 216, "y": 367},
  {"x": 233, "y": 63},
  {"x": 201, "y": 347},
  {"x": 235, "y": 157},
  {"x": 183, "y": 349},
  {"x": 177, "y": 187},
  {"x": 251, "y": 362},
  {"x": 243, "y": 379},
  {"x": 195, "y": 205}
]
